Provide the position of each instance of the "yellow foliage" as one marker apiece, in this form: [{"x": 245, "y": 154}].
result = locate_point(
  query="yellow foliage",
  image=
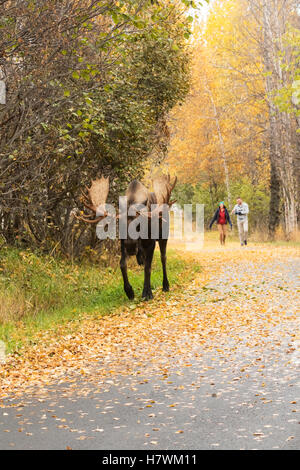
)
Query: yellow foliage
[{"x": 227, "y": 67}]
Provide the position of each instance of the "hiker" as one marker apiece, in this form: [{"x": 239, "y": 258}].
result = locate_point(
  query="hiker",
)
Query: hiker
[
  {"x": 222, "y": 217},
  {"x": 241, "y": 210}
]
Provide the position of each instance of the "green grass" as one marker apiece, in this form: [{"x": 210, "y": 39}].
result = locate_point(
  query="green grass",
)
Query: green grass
[{"x": 39, "y": 292}]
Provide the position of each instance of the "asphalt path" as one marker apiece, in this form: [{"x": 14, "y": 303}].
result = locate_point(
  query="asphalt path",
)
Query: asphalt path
[{"x": 208, "y": 405}]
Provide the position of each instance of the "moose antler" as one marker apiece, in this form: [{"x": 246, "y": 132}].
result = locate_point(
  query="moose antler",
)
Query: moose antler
[
  {"x": 163, "y": 188},
  {"x": 94, "y": 200}
]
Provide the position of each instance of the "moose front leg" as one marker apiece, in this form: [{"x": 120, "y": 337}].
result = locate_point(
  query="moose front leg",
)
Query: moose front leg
[
  {"x": 163, "y": 257},
  {"x": 123, "y": 265},
  {"x": 148, "y": 246}
]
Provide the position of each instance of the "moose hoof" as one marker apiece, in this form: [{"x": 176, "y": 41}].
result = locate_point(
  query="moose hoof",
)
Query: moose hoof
[
  {"x": 166, "y": 287},
  {"x": 147, "y": 294},
  {"x": 130, "y": 293}
]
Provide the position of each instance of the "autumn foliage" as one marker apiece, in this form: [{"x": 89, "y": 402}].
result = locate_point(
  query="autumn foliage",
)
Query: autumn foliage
[
  {"x": 89, "y": 86},
  {"x": 230, "y": 138}
]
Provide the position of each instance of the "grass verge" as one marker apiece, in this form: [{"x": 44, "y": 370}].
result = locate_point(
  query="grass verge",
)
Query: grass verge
[{"x": 39, "y": 292}]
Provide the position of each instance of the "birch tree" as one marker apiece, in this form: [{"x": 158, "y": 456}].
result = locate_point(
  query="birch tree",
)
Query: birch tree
[{"x": 273, "y": 16}]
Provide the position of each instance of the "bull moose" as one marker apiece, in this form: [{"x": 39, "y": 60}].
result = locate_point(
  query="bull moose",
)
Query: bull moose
[{"x": 154, "y": 204}]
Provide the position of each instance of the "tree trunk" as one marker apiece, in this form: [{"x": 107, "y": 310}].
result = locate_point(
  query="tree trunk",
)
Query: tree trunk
[
  {"x": 274, "y": 210},
  {"x": 280, "y": 131}
]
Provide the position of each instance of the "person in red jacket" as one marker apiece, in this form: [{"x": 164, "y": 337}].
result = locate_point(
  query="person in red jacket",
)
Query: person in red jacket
[{"x": 222, "y": 217}]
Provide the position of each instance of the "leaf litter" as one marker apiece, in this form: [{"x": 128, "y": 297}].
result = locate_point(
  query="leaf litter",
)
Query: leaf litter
[{"x": 256, "y": 311}]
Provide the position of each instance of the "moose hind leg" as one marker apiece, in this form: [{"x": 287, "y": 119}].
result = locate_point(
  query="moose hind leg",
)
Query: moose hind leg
[
  {"x": 140, "y": 255},
  {"x": 163, "y": 257},
  {"x": 123, "y": 265},
  {"x": 149, "y": 250}
]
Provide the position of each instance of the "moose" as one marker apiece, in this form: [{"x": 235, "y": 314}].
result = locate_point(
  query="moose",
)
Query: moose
[{"x": 152, "y": 207}]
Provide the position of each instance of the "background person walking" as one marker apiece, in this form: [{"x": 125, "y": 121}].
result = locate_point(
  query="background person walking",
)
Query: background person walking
[
  {"x": 222, "y": 217},
  {"x": 241, "y": 210}
]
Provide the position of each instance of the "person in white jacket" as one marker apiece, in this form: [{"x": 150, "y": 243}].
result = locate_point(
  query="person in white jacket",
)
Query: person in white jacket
[{"x": 241, "y": 210}]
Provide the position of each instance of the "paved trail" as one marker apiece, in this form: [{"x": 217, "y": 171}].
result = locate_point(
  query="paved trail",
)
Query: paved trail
[{"x": 214, "y": 367}]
